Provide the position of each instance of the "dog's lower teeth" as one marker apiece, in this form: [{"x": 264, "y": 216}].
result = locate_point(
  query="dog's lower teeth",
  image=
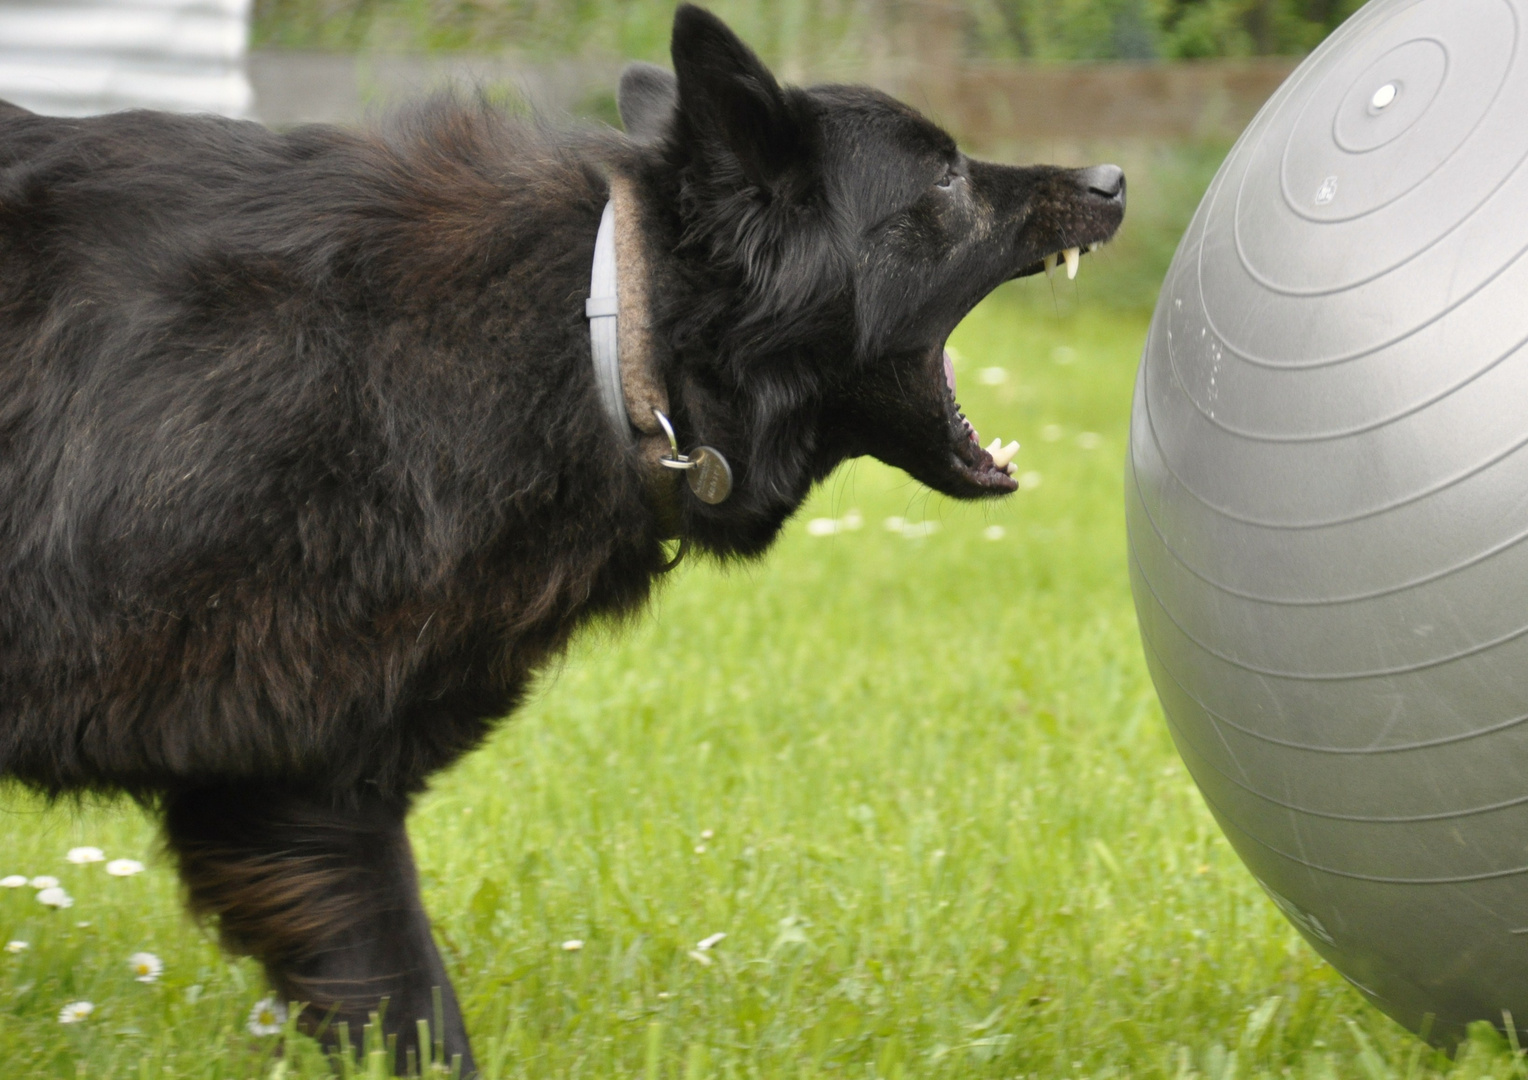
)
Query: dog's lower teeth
[{"x": 1050, "y": 263}]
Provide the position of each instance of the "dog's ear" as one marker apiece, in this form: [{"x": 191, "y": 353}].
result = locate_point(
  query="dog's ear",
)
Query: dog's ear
[
  {"x": 731, "y": 107},
  {"x": 647, "y": 97}
]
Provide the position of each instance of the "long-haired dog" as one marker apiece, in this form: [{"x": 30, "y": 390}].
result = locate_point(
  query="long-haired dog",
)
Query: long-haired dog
[{"x": 315, "y": 446}]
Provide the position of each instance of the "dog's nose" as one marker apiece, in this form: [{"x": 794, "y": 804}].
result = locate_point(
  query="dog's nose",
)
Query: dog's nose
[{"x": 1106, "y": 181}]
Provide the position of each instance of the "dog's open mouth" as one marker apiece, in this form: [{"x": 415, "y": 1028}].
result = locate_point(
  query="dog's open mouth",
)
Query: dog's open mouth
[{"x": 989, "y": 469}]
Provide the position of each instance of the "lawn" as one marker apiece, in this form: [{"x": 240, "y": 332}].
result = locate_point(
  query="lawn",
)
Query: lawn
[{"x": 910, "y": 765}]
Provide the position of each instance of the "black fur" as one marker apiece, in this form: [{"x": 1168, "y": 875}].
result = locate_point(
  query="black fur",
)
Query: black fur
[{"x": 302, "y": 471}]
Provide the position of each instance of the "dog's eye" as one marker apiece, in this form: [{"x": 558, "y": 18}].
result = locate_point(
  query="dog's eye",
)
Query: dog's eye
[{"x": 947, "y": 179}]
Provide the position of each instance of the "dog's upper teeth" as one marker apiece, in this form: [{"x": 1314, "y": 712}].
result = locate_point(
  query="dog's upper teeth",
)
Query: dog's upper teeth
[
  {"x": 1050, "y": 263},
  {"x": 1072, "y": 256},
  {"x": 1002, "y": 455},
  {"x": 1095, "y": 246}
]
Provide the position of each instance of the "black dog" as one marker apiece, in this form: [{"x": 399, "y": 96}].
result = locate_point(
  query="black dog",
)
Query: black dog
[{"x": 305, "y": 468}]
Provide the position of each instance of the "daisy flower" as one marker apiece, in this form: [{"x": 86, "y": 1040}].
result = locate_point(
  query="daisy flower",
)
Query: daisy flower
[
  {"x": 13, "y": 881},
  {"x": 44, "y": 881},
  {"x": 124, "y": 867},
  {"x": 267, "y": 1017},
  {"x": 146, "y": 966},
  {"x": 710, "y": 942},
  {"x": 54, "y": 897},
  {"x": 82, "y": 855},
  {"x": 17, "y": 946},
  {"x": 75, "y": 1012},
  {"x": 572, "y": 945}
]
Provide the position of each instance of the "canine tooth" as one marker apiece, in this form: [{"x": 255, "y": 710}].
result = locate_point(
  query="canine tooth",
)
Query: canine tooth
[
  {"x": 997, "y": 444},
  {"x": 1003, "y": 455},
  {"x": 1072, "y": 256},
  {"x": 1050, "y": 263}
]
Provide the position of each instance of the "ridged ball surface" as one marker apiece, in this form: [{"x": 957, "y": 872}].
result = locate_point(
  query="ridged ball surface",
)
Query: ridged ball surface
[{"x": 1328, "y": 504}]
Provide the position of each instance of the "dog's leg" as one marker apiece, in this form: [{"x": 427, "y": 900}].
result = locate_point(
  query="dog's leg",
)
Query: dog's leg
[{"x": 324, "y": 894}]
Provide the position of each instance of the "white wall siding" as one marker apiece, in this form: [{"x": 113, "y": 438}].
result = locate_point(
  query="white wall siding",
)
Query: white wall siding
[{"x": 78, "y": 57}]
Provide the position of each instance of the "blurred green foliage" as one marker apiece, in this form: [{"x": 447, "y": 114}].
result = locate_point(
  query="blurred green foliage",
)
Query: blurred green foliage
[
  {"x": 1151, "y": 29},
  {"x": 806, "y": 30}
]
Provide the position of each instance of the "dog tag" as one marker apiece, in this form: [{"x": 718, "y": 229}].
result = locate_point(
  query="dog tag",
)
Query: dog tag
[{"x": 710, "y": 477}]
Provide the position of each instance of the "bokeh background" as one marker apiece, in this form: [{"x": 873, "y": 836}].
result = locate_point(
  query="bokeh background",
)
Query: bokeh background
[{"x": 807, "y": 32}]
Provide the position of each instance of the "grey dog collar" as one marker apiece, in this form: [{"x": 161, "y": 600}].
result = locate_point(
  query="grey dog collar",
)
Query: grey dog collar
[
  {"x": 602, "y": 309},
  {"x": 626, "y": 354},
  {"x": 633, "y": 400}
]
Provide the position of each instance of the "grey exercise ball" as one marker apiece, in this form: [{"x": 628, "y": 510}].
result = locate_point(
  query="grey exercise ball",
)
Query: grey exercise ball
[{"x": 1328, "y": 505}]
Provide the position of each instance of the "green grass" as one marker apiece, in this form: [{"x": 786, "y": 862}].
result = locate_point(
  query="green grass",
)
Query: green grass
[{"x": 948, "y": 834}]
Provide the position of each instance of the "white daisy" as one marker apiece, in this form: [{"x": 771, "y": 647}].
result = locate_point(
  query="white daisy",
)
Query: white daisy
[
  {"x": 124, "y": 867},
  {"x": 43, "y": 881},
  {"x": 13, "y": 881},
  {"x": 267, "y": 1017},
  {"x": 75, "y": 1012},
  {"x": 572, "y": 945},
  {"x": 146, "y": 966},
  {"x": 17, "y": 946},
  {"x": 1090, "y": 440},
  {"x": 709, "y": 942},
  {"x": 821, "y": 527},
  {"x": 54, "y": 897},
  {"x": 82, "y": 855},
  {"x": 991, "y": 376},
  {"x": 1029, "y": 481}
]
